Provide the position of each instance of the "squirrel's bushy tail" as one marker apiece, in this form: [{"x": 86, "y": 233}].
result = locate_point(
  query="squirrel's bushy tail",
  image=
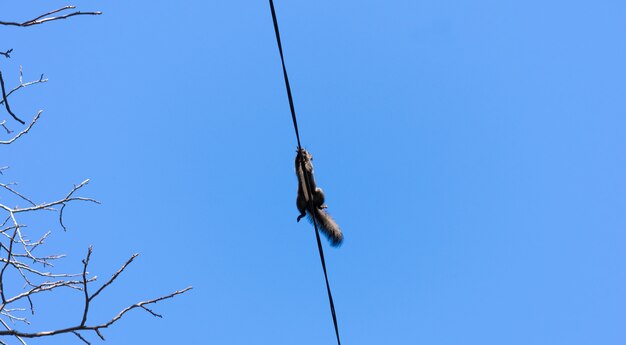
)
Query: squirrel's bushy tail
[{"x": 328, "y": 226}]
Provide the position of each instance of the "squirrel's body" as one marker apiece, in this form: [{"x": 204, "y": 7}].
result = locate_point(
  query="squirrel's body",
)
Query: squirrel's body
[{"x": 316, "y": 206}]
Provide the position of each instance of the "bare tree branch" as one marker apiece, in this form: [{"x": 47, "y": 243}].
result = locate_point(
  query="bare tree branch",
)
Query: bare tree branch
[
  {"x": 85, "y": 264},
  {"x": 24, "y": 131},
  {"x": 7, "y": 187},
  {"x": 6, "y": 103},
  {"x": 49, "y": 205},
  {"x": 96, "y": 328},
  {"x": 40, "y": 19},
  {"x": 81, "y": 285},
  {"x": 7, "y": 53},
  {"x": 6, "y": 264},
  {"x": 14, "y": 260},
  {"x": 114, "y": 276},
  {"x": 23, "y": 84}
]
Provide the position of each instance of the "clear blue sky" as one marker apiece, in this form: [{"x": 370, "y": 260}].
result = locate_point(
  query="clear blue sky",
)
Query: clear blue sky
[{"x": 472, "y": 152}]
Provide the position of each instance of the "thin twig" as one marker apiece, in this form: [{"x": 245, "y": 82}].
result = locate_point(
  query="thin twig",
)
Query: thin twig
[
  {"x": 114, "y": 276},
  {"x": 3, "y": 124},
  {"x": 81, "y": 338},
  {"x": 24, "y": 131},
  {"x": 6, "y": 186},
  {"x": 6, "y": 103},
  {"x": 85, "y": 263}
]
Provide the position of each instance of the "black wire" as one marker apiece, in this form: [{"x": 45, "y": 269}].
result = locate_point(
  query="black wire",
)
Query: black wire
[
  {"x": 295, "y": 127},
  {"x": 282, "y": 59}
]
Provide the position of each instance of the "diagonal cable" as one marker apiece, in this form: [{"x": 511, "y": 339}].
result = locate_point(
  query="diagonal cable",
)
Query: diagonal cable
[{"x": 295, "y": 126}]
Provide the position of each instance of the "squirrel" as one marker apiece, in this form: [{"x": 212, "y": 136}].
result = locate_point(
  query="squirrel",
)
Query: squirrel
[{"x": 324, "y": 221}]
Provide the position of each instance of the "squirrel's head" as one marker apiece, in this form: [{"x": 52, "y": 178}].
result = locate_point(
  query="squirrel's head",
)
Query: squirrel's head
[{"x": 305, "y": 154}]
